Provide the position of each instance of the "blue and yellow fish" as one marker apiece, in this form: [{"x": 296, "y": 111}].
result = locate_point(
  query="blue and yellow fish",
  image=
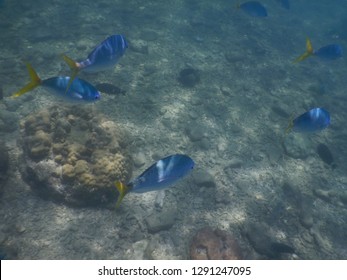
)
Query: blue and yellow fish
[
  {"x": 328, "y": 52},
  {"x": 253, "y": 8},
  {"x": 103, "y": 56},
  {"x": 79, "y": 90},
  {"x": 158, "y": 176},
  {"x": 313, "y": 120}
]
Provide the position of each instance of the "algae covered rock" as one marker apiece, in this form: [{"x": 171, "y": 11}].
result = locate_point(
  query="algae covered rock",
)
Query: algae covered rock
[{"x": 74, "y": 155}]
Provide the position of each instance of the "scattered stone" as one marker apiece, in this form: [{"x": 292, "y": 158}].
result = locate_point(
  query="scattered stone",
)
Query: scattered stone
[
  {"x": 161, "y": 247},
  {"x": 139, "y": 159},
  {"x": 139, "y": 46},
  {"x": 159, "y": 221},
  {"x": 159, "y": 199},
  {"x": 20, "y": 228},
  {"x": 137, "y": 250},
  {"x": 109, "y": 89},
  {"x": 189, "y": 77},
  {"x": 297, "y": 146},
  {"x": 226, "y": 91},
  {"x": 325, "y": 155},
  {"x": 325, "y": 195},
  {"x": 209, "y": 244},
  {"x": 343, "y": 197},
  {"x": 203, "y": 179},
  {"x": 195, "y": 132},
  {"x": 306, "y": 218},
  {"x": 280, "y": 111},
  {"x": 149, "y": 35},
  {"x": 235, "y": 163},
  {"x": 9, "y": 120},
  {"x": 264, "y": 244}
]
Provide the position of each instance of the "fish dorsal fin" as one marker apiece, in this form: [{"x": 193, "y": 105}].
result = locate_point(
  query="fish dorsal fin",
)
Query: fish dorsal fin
[
  {"x": 34, "y": 82},
  {"x": 74, "y": 68},
  {"x": 122, "y": 189},
  {"x": 307, "y": 53}
]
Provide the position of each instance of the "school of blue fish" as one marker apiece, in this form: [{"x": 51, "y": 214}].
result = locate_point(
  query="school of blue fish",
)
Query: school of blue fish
[{"x": 168, "y": 170}]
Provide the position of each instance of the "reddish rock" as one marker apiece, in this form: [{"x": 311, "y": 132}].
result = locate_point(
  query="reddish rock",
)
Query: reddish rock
[{"x": 209, "y": 244}]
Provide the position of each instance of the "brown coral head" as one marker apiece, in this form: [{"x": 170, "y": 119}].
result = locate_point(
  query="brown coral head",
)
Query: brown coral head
[{"x": 209, "y": 244}]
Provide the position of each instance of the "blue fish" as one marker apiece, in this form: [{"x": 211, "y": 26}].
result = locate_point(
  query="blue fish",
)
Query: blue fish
[
  {"x": 313, "y": 120},
  {"x": 253, "y": 8},
  {"x": 328, "y": 52},
  {"x": 285, "y": 4},
  {"x": 102, "y": 57},
  {"x": 79, "y": 90},
  {"x": 158, "y": 176}
]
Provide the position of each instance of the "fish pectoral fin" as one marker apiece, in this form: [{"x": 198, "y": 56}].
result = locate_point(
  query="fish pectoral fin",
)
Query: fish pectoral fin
[
  {"x": 34, "y": 82},
  {"x": 72, "y": 64},
  {"x": 122, "y": 189},
  {"x": 74, "y": 68}
]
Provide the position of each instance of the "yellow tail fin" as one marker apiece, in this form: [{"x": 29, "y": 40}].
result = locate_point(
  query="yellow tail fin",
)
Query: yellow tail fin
[
  {"x": 74, "y": 68},
  {"x": 122, "y": 189},
  {"x": 34, "y": 82},
  {"x": 308, "y": 53}
]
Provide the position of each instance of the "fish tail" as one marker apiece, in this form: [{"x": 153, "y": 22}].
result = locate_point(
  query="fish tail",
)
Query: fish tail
[
  {"x": 74, "y": 68},
  {"x": 34, "y": 82},
  {"x": 308, "y": 53},
  {"x": 122, "y": 189}
]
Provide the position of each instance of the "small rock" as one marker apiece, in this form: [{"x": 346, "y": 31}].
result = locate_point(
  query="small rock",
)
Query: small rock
[
  {"x": 203, "y": 179},
  {"x": 225, "y": 90},
  {"x": 235, "y": 163},
  {"x": 20, "y": 228},
  {"x": 325, "y": 154},
  {"x": 260, "y": 239},
  {"x": 139, "y": 46},
  {"x": 297, "y": 146},
  {"x": 159, "y": 221},
  {"x": 139, "y": 159},
  {"x": 161, "y": 248},
  {"x": 195, "y": 132},
  {"x": 10, "y": 120},
  {"x": 323, "y": 194},
  {"x": 159, "y": 199},
  {"x": 343, "y": 197},
  {"x": 137, "y": 250},
  {"x": 149, "y": 35},
  {"x": 189, "y": 77}
]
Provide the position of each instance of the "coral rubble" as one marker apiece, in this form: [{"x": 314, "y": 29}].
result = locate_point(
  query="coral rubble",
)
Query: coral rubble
[{"x": 73, "y": 154}]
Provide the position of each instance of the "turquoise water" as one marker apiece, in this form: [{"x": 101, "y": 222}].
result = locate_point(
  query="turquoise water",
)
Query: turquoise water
[{"x": 250, "y": 181}]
